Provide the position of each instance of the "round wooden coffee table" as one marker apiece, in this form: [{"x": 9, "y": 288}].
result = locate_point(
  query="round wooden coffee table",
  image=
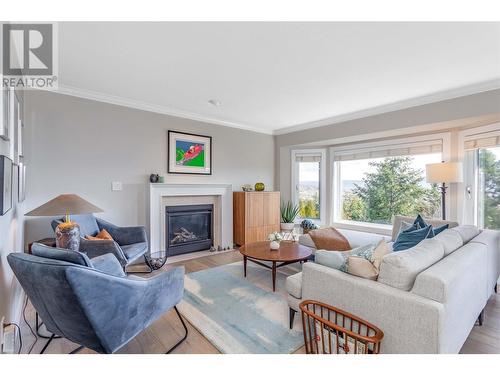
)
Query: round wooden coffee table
[{"x": 288, "y": 253}]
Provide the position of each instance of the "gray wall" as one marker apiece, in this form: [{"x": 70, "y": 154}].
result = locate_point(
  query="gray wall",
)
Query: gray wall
[
  {"x": 11, "y": 240},
  {"x": 446, "y": 115},
  {"x": 80, "y": 146}
]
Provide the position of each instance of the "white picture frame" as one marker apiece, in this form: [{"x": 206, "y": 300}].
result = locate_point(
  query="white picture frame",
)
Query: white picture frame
[{"x": 4, "y": 114}]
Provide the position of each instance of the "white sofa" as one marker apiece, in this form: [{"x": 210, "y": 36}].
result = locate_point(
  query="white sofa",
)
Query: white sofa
[{"x": 426, "y": 300}]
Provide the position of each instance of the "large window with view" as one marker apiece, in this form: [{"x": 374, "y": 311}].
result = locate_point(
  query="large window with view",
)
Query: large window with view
[
  {"x": 374, "y": 189},
  {"x": 308, "y": 183},
  {"x": 482, "y": 177},
  {"x": 489, "y": 187}
]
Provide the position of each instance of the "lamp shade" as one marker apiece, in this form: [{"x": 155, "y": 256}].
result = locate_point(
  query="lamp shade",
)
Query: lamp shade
[
  {"x": 65, "y": 204},
  {"x": 444, "y": 172}
]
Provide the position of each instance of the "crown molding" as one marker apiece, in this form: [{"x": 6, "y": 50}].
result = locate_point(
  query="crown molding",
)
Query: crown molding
[
  {"x": 403, "y": 104},
  {"x": 414, "y": 102},
  {"x": 126, "y": 102}
]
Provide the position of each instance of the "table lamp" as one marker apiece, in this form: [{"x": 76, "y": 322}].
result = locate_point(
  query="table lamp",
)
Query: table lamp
[
  {"x": 68, "y": 232},
  {"x": 443, "y": 173}
]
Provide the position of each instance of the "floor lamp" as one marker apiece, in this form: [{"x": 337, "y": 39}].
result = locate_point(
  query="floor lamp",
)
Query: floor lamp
[{"x": 443, "y": 173}]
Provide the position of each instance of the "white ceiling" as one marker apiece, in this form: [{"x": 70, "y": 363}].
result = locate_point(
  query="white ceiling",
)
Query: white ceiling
[{"x": 277, "y": 77}]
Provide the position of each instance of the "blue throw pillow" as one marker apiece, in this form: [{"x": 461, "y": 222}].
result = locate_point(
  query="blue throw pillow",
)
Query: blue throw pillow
[
  {"x": 420, "y": 222},
  {"x": 410, "y": 229},
  {"x": 407, "y": 240},
  {"x": 438, "y": 230}
]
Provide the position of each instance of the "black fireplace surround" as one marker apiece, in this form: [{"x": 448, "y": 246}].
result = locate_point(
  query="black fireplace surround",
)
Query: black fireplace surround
[{"x": 188, "y": 228}]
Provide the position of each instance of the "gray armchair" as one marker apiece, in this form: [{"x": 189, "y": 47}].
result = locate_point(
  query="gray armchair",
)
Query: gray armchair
[
  {"x": 130, "y": 243},
  {"x": 91, "y": 301}
]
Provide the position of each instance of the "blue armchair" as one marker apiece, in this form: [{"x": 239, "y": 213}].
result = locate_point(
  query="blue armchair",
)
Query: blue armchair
[
  {"x": 91, "y": 301},
  {"x": 130, "y": 243}
]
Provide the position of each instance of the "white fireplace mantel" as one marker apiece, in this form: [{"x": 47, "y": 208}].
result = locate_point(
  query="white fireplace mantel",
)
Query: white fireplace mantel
[{"x": 157, "y": 193}]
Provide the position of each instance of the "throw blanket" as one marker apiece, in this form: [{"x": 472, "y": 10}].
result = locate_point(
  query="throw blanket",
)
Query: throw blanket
[{"x": 329, "y": 239}]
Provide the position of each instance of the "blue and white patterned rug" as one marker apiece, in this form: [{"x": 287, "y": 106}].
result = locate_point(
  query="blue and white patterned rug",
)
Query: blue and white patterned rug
[{"x": 241, "y": 315}]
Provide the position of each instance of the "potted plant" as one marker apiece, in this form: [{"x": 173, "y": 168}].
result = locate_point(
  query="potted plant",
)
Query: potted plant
[
  {"x": 288, "y": 214},
  {"x": 275, "y": 239}
]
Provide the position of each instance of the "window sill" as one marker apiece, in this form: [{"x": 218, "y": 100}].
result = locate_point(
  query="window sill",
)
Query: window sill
[{"x": 383, "y": 229}]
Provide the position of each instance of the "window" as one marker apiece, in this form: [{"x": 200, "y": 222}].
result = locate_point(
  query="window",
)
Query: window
[
  {"x": 378, "y": 181},
  {"x": 482, "y": 179},
  {"x": 308, "y": 182},
  {"x": 489, "y": 188}
]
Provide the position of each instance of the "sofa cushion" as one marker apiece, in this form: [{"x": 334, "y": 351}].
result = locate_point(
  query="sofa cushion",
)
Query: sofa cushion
[
  {"x": 65, "y": 255},
  {"x": 450, "y": 239},
  {"x": 410, "y": 239},
  {"x": 135, "y": 250},
  {"x": 400, "y": 269},
  {"x": 452, "y": 275},
  {"x": 294, "y": 285},
  {"x": 467, "y": 232}
]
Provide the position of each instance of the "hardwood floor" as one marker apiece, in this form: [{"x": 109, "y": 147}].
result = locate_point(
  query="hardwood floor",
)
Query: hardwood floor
[{"x": 162, "y": 334}]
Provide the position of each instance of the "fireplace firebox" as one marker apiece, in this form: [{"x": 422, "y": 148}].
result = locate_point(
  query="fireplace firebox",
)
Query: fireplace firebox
[{"x": 188, "y": 228}]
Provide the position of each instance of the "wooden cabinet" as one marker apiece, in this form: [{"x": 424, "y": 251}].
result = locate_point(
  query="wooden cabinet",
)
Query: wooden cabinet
[{"x": 255, "y": 215}]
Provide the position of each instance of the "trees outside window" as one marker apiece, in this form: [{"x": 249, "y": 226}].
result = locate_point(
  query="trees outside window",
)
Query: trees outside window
[{"x": 489, "y": 189}]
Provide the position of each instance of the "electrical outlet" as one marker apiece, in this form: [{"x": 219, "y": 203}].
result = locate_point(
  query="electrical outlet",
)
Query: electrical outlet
[{"x": 116, "y": 186}]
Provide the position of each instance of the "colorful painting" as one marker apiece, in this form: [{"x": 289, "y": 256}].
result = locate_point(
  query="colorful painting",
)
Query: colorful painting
[{"x": 189, "y": 153}]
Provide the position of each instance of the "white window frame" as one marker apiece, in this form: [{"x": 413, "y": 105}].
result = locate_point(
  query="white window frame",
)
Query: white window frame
[
  {"x": 467, "y": 203},
  {"x": 335, "y": 183},
  {"x": 322, "y": 180}
]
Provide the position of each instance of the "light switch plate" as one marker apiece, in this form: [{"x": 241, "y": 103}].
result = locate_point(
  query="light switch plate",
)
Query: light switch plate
[{"x": 116, "y": 186}]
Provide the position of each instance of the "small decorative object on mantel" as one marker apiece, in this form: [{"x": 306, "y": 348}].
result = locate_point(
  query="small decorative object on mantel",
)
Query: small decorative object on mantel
[
  {"x": 275, "y": 239},
  {"x": 288, "y": 214},
  {"x": 161, "y": 179},
  {"x": 189, "y": 153},
  {"x": 259, "y": 186},
  {"x": 308, "y": 225},
  {"x": 247, "y": 187},
  {"x": 153, "y": 178}
]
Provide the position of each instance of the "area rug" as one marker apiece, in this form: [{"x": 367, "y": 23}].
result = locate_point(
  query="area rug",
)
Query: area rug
[{"x": 241, "y": 315}]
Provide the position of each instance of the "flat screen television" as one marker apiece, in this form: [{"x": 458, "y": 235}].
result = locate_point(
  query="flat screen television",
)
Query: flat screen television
[{"x": 5, "y": 184}]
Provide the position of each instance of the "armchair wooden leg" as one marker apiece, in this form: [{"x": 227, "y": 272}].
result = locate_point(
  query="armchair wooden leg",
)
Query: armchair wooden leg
[
  {"x": 185, "y": 330},
  {"x": 292, "y": 316}
]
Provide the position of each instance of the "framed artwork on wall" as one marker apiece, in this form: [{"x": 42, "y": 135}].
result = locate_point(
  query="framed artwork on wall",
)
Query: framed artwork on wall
[
  {"x": 189, "y": 153},
  {"x": 19, "y": 131},
  {"x": 21, "y": 184},
  {"x": 5, "y": 184},
  {"x": 4, "y": 114}
]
